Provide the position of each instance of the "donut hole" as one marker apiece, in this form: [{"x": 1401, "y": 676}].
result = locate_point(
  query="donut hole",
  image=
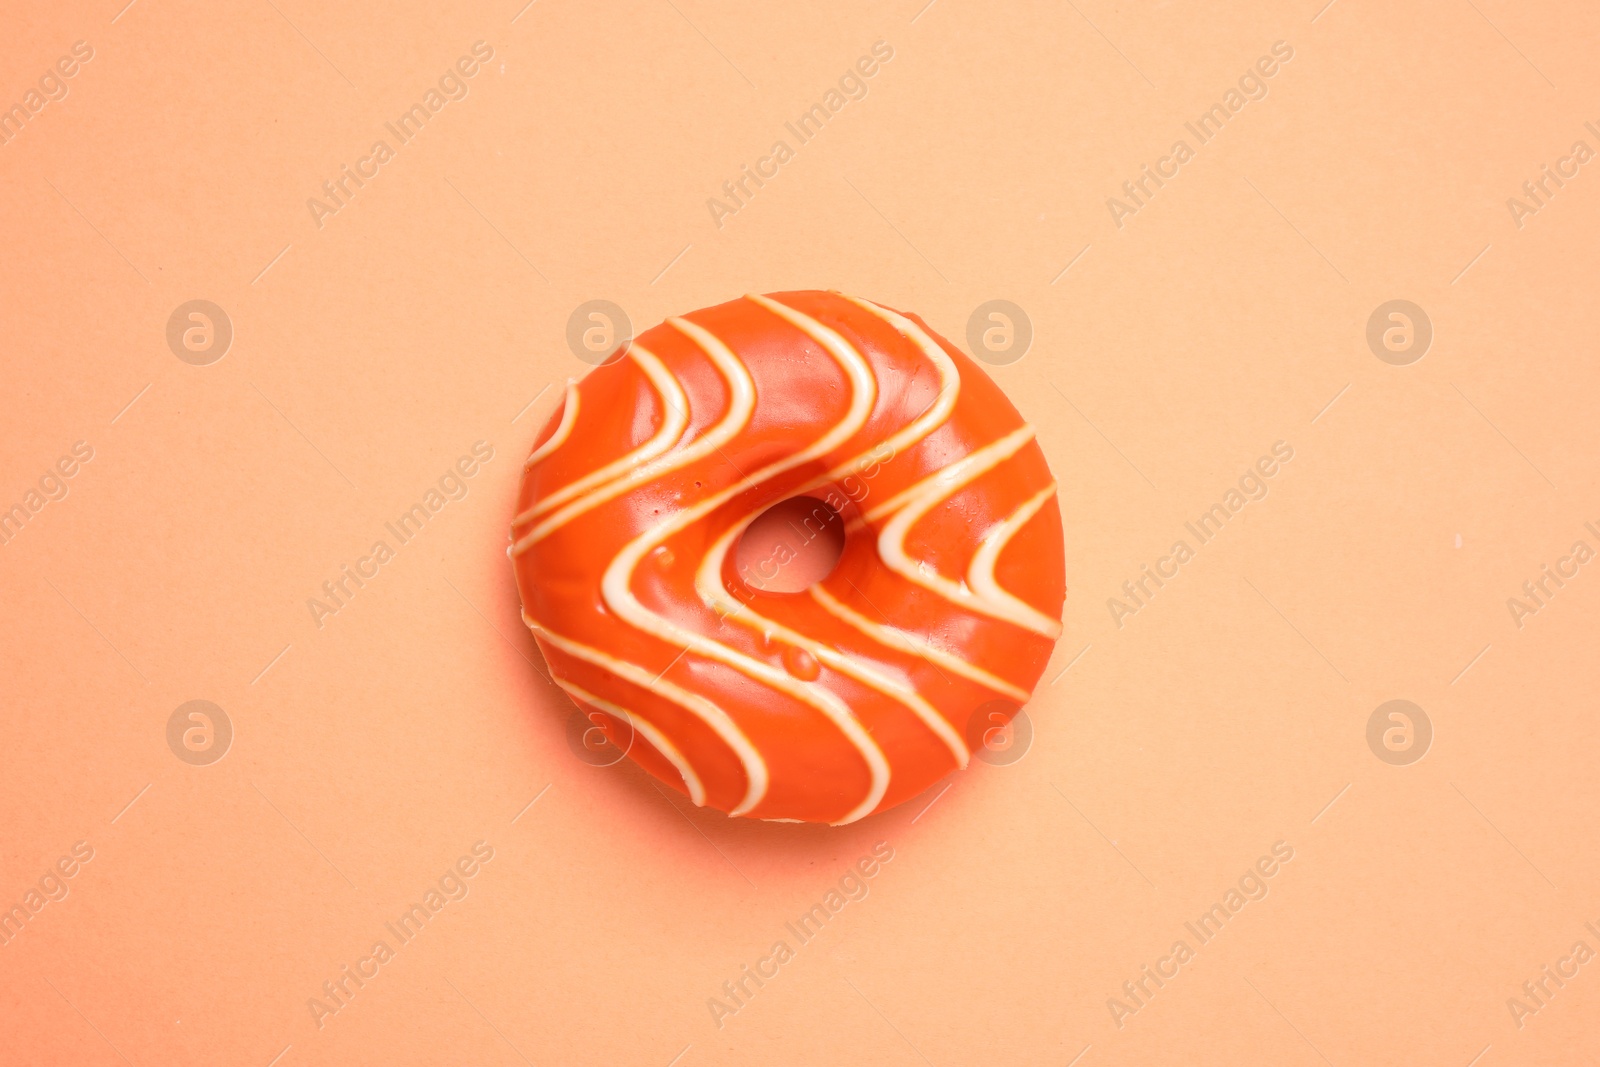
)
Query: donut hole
[{"x": 791, "y": 546}]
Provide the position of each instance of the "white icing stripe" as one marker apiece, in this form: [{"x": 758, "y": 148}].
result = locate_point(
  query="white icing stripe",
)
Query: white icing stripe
[
  {"x": 949, "y": 378},
  {"x": 916, "y": 645},
  {"x": 657, "y": 739},
  {"x": 980, "y": 573},
  {"x": 863, "y": 383},
  {"x": 708, "y": 579},
  {"x": 616, "y": 585},
  {"x": 755, "y": 768},
  {"x": 922, "y": 425},
  {"x": 715, "y": 595},
  {"x": 741, "y": 404},
  {"x": 933, "y": 491},
  {"x": 569, "y": 415},
  {"x": 674, "y": 417}
]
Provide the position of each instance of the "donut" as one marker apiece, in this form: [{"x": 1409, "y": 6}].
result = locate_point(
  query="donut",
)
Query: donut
[{"x": 847, "y": 697}]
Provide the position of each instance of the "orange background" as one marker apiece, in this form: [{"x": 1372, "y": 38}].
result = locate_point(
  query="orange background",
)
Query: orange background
[{"x": 1228, "y": 714}]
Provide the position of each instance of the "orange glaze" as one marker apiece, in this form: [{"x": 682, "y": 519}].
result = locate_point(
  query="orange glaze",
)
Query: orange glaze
[{"x": 825, "y": 705}]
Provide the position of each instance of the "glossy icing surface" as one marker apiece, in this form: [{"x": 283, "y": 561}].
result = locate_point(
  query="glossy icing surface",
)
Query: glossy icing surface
[{"x": 824, "y": 705}]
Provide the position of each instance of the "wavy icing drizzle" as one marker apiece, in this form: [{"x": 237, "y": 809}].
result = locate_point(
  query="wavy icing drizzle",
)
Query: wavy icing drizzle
[{"x": 886, "y": 672}]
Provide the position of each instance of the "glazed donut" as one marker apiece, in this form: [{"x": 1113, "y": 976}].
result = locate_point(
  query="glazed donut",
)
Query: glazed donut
[{"x": 841, "y": 700}]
